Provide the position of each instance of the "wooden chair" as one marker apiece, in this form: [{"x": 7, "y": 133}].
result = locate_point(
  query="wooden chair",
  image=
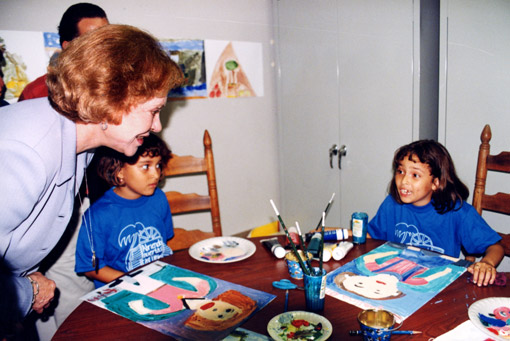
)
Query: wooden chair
[
  {"x": 499, "y": 202},
  {"x": 183, "y": 203}
]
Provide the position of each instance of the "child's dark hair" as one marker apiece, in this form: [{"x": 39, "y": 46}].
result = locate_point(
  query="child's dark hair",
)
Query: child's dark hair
[
  {"x": 112, "y": 161},
  {"x": 435, "y": 155}
]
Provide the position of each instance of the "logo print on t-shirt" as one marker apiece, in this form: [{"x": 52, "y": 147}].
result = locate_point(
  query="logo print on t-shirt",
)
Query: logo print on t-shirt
[
  {"x": 145, "y": 245},
  {"x": 410, "y": 235}
]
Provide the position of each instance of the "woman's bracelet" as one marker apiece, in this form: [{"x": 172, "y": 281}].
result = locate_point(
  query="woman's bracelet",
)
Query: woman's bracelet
[{"x": 34, "y": 282}]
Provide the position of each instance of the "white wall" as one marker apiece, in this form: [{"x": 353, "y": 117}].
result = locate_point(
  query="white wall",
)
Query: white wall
[{"x": 243, "y": 131}]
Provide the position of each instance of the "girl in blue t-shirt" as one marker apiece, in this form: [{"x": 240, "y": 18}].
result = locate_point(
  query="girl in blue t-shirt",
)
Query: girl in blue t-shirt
[
  {"x": 427, "y": 208},
  {"x": 129, "y": 226}
]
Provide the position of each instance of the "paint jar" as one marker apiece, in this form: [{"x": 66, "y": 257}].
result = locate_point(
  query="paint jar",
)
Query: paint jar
[
  {"x": 359, "y": 222},
  {"x": 331, "y": 235},
  {"x": 327, "y": 254},
  {"x": 293, "y": 265},
  {"x": 294, "y": 236},
  {"x": 376, "y": 324},
  {"x": 314, "y": 244},
  {"x": 341, "y": 250},
  {"x": 273, "y": 245},
  {"x": 315, "y": 290}
]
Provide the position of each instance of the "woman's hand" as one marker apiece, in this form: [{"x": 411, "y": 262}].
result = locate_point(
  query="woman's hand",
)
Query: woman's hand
[
  {"x": 46, "y": 292},
  {"x": 483, "y": 273}
]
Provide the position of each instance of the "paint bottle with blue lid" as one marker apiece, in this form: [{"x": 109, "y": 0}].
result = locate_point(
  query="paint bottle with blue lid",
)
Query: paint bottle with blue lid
[{"x": 359, "y": 222}]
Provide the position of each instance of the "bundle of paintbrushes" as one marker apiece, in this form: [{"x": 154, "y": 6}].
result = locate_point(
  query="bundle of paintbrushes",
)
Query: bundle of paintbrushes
[{"x": 306, "y": 265}]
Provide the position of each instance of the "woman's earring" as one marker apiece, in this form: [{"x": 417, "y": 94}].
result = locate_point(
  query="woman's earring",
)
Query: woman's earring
[{"x": 104, "y": 125}]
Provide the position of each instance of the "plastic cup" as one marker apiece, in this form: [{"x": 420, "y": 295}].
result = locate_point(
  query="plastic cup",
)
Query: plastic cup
[
  {"x": 295, "y": 270},
  {"x": 315, "y": 290}
]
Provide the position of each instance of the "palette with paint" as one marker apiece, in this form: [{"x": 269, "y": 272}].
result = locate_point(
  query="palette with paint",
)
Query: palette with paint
[
  {"x": 492, "y": 316},
  {"x": 299, "y": 325},
  {"x": 222, "y": 250}
]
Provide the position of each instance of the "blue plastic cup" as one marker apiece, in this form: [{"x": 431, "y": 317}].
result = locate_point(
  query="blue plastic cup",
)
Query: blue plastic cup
[{"x": 315, "y": 290}]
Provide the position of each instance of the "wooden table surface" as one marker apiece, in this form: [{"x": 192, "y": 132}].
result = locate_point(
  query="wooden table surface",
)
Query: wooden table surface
[{"x": 444, "y": 312}]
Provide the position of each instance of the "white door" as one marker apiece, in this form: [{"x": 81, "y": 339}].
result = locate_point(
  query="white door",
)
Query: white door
[
  {"x": 346, "y": 78},
  {"x": 475, "y": 83}
]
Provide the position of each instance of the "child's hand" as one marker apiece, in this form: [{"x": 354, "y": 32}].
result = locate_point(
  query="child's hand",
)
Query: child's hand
[{"x": 483, "y": 273}]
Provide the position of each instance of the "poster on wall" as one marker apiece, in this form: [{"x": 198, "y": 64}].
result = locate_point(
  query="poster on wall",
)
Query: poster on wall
[
  {"x": 189, "y": 55},
  {"x": 234, "y": 69},
  {"x": 212, "y": 68},
  {"x": 27, "y": 55},
  {"x": 180, "y": 303},
  {"x": 394, "y": 277}
]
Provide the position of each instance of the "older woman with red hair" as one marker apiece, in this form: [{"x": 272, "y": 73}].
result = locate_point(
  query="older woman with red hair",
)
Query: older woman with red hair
[{"x": 107, "y": 89}]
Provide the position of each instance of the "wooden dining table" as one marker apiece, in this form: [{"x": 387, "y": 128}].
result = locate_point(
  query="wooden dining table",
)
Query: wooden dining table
[{"x": 444, "y": 312}]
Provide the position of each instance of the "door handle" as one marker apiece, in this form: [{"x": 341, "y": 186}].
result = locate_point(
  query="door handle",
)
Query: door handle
[
  {"x": 335, "y": 150},
  {"x": 341, "y": 152},
  {"x": 332, "y": 151}
]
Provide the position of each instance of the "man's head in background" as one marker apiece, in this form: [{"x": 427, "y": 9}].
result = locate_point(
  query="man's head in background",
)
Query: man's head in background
[{"x": 79, "y": 19}]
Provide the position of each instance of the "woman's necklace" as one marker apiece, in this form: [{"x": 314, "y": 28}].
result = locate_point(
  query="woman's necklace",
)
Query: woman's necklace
[{"x": 88, "y": 226}]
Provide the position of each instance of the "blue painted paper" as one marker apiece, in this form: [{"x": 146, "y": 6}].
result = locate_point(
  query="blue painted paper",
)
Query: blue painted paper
[{"x": 394, "y": 277}]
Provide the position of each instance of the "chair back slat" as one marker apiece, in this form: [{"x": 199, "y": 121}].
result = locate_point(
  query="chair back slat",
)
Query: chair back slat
[
  {"x": 499, "y": 202},
  {"x": 499, "y": 163},
  {"x": 188, "y": 202},
  {"x": 185, "y": 165}
]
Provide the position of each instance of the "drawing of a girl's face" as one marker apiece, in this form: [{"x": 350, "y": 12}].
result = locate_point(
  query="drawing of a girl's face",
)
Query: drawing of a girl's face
[
  {"x": 381, "y": 286},
  {"x": 218, "y": 311}
]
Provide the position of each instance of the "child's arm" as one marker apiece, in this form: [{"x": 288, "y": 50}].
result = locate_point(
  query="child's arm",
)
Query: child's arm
[
  {"x": 484, "y": 272},
  {"x": 105, "y": 274}
]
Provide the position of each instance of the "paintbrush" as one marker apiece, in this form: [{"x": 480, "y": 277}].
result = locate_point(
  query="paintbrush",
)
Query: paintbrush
[
  {"x": 409, "y": 332},
  {"x": 293, "y": 246},
  {"x": 286, "y": 301},
  {"x": 305, "y": 249},
  {"x": 321, "y": 247},
  {"x": 326, "y": 210},
  {"x": 405, "y": 332}
]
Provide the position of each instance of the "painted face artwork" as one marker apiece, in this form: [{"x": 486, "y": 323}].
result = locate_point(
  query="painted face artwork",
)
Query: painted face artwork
[
  {"x": 414, "y": 182},
  {"x": 137, "y": 124},
  {"x": 376, "y": 287},
  {"x": 218, "y": 311},
  {"x": 139, "y": 179}
]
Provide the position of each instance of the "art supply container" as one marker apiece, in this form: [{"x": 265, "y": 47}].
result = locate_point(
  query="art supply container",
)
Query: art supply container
[
  {"x": 327, "y": 254},
  {"x": 274, "y": 246},
  {"x": 331, "y": 235},
  {"x": 295, "y": 270},
  {"x": 376, "y": 324},
  {"x": 294, "y": 235},
  {"x": 314, "y": 244},
  {"x": 359, "y": 222},
  {"x": 341, "y": 250},
  {"x": 315, "y": 290}
]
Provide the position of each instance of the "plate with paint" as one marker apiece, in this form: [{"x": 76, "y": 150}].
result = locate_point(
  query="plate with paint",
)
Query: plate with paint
[
  {"x": 299, "y": 325},
  {"x": 222, "y": 250},
  {"x": 492, "y": 316}
]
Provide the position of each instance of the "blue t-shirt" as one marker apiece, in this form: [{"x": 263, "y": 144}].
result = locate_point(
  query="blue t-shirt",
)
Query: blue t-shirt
[
  {"x": 126, "y": 233},
  {"x": 423, "y": 227}
]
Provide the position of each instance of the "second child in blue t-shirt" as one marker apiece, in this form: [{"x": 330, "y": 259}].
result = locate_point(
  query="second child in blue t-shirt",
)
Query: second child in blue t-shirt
[
  {"x": 129, "y": 226},
  {"x": 427, "y": 208}
]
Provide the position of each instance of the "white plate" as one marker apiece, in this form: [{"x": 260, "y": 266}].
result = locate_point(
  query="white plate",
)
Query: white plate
[
  {"x": 486, "y": 308},
  {"x": 222, "y": 250},
  {"x": 274, "y": 327}
]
